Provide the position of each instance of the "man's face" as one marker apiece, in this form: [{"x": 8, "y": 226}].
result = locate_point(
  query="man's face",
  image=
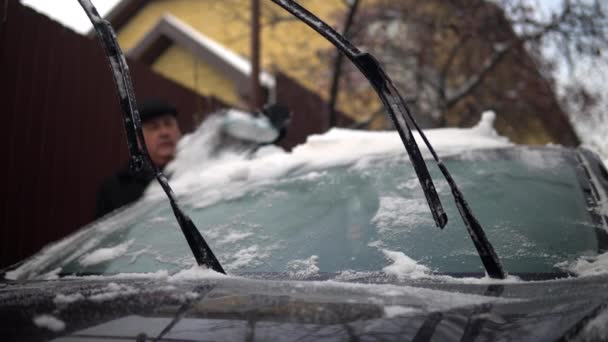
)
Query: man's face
[{"x": 161, "y": 135}]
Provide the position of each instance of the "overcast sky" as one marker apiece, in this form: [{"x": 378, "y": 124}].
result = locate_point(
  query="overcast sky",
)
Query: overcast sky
[{"x": 69, "y": 12}]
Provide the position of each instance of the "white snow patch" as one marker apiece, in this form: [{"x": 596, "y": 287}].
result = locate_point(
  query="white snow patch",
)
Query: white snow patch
[
  {"x": 113, "y": 290},
  {"x": 195, "y": 273},
  {"x": 105, "y": 254},
  {"x": 376, "y": 244},
  {"x": 136, "y": 254},
  {"x": 602, "y": 208},
  {"x": 194, "y": 170},
  {"x": 417, "y": 297},
  {"x": 301, "y": 268},
  {"x": 586, "y": 266},
  {"x": 404, "y": 267},
  {"x": 246, "y": 256},
  {"x": 401, "y": 213},
  {"x": 183, "y": 297},
  {"x": 49, "y": 322},
  {"x": 391, "y": 311},
  {"x": 160, "y": 274},
  {"x": 313, "y": 176},
  {"x": 233, "y": 237},
  {"x": 52, "y": 275},
  {"x": 61, "y": 299},
  {"x": 485, "y": 126},
  {"x": 486, "y": 280}
]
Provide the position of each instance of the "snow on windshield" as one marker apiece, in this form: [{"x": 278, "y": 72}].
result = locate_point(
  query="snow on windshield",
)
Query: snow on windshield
[
  {"x": 202, "y": 176},
  {"x": 195, "y": 167}
]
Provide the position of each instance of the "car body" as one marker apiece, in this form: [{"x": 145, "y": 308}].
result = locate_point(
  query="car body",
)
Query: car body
[{"x": 334, "y": 241}]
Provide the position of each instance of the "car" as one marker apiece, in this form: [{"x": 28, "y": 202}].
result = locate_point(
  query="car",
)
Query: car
[
  {"x": 344, "y": 238},
  {"x": 334, "y": 241}
]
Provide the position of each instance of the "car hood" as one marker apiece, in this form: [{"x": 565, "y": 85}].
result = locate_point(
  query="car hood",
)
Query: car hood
[{"x": 235, "y": 308}]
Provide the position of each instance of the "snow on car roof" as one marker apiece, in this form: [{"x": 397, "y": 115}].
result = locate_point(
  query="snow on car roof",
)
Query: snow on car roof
[{"x": 193, "y": 169}]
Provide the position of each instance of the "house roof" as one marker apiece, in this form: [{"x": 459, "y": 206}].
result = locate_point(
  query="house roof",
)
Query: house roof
[{"x": 171, "y": 30}]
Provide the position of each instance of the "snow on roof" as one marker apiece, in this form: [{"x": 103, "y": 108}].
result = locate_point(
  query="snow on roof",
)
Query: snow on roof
[
  {"x": 181, "y": 33},
  {"x": 236, "y": 61}
]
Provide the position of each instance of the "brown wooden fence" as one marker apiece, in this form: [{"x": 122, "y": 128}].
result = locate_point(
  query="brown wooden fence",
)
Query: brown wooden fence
[{"x": 63, "y": 131}]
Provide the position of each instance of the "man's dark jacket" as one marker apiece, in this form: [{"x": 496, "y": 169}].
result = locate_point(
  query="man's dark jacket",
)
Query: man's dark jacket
[{"x": 123, "y": 188}]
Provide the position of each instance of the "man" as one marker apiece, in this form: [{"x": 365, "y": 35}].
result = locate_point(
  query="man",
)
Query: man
[{"x": 161, "y": 133}]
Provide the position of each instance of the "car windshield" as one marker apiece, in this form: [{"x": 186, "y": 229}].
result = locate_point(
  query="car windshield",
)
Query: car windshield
[{"x": 363, "y": 217}]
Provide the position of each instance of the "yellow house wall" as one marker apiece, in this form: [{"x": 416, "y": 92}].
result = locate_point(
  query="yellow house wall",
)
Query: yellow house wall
[
  {"x": 178, "y": 64},
  {"x": 288, "y": 45}
]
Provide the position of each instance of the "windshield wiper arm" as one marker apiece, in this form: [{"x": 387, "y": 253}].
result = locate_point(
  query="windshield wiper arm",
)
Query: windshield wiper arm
[
  {"x": 399, "y": 113},
  {"x": 139, "y": 157}
]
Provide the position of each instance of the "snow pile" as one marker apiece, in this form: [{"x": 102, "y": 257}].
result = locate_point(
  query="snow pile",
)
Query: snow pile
[
  {"x": 105, "y": 254},
  {"x": 404, "y": 267},
  {"x": 302, "y": 268},
  {"x": 49, "y": 322},
  {"x": 587, "y": 265},
  {"x": 195, "y": 273},
  {"x": 196, "y": 168}
]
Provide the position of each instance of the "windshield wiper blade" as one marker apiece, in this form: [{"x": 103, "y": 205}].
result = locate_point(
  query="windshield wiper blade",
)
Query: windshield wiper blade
[
  {"x": 388, "y": 94},
  {"x": 140, "y": 158},
  {"x": 399, "y": 112}
]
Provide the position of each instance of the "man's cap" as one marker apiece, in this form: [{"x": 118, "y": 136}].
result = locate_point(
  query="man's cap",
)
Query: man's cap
[
  {"x": 153, "y": 108},
  {"x": 278, "y": 114}
]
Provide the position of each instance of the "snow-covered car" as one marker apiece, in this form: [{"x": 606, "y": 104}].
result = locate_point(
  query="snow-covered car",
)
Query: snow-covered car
[{"x": 334, "y": 241}]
